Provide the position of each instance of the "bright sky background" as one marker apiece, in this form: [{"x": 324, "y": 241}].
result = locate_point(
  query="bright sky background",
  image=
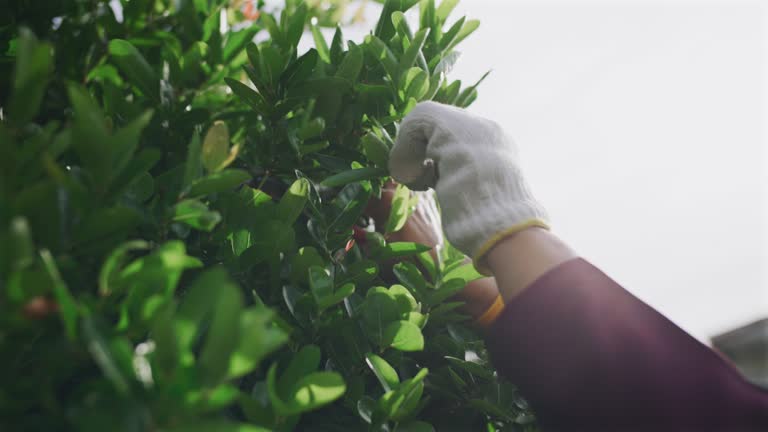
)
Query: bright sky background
[{"x": 642, "y": 127}]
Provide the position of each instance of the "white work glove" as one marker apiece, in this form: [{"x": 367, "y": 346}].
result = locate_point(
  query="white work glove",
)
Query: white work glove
[{"x": 475, "y": 172}]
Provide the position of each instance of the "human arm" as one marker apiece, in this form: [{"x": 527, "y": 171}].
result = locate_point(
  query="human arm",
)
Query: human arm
[{"x": 586, "y": 353}]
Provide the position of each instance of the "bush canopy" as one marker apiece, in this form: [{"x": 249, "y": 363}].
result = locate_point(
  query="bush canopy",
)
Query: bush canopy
[{"x": 181, "y": 219}]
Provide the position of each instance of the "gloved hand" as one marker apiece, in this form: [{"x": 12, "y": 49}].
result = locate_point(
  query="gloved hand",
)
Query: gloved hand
[{"x": 474, "y": 168}]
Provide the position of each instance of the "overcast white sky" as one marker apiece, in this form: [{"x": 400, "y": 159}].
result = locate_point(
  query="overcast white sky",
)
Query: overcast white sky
[
  {"x": 643, "y": 130},
  {"x": 642, "y": 127}
]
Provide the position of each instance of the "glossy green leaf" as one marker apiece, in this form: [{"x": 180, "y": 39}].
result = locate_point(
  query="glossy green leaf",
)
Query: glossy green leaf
[
  {"x": 32, "y": 72},
  {"x": 68, "y": 309},
  {"x": 385, "y": 373},
  {"x": 215, "y": 148},
  {"x": 409, "y": 56},
  {"x": 305, "y": 258},
  {"x": 224, "y": 333},
  {"x": 312, "y": 129},
  {"x": 352, "y": 64},
  {"x": 375, "y": 150},
  {"x": 403, "y": 336},
  {"x": 399, "y": 210},
  {"x": 248, "y": 95},
  {"x": 221, "y": 181},
  {"x": 293, "y": 201},
  {"x": 320, "y": 44},
  {"x": 400, "y": 249},
  {"x": 304, "y": 362},
  {"x": 384, "y": 55},
  {"x": 196, "y": 214},
  {"x": 133, "y": 64},
  {"x": 320, "y": 282},
  {"x": 193, "y": 164},
  {"x": 353, "y": 175},
  {"x": 315, "y": 390},
  {"x": 445, "y": 9},
  {"x": 114, "y": 261},
  {"x": 466, "y": 29}
]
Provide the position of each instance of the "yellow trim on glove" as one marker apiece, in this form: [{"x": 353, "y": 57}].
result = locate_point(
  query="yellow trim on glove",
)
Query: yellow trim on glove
[
  {"x": 488, "y": 245},
  {"x": 490, "y": 315}
]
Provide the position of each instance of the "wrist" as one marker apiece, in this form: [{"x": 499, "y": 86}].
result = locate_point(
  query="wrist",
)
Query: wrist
[{"x": 519, "y": 259}]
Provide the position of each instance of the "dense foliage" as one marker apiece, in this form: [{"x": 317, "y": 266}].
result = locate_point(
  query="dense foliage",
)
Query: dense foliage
[{"x": 182, "y": 213}]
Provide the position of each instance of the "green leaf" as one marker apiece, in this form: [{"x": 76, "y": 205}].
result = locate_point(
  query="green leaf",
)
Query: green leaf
[
  {"x": 384, "y": 28},
  {"x": 337, "y": 46},
  {"x": 351, "y": 65},
  {"x": 103, "y": 356},
  {"x": 320, "y": 44},
  {"x": 361, "y": 272},
  {"x": 193, "y": 165},
  {"x": 258, "y": 338},
  {"x": 353, "y": 175},
  {"x": 236, "y": 41},
  {"x": 34, "y": 64},
  {"x": 305, "y": 258},
  {"x": 299, "y": 389},
  {"x": 293, "y": 201},
  {"x": 445, "y": 9},
  {"x": 304, "y": 362},
  {"x": 467, "y": 29},
  {"x": 224, "y": 333},
  {"x": 67, "y": 305},
  {"x": 215, "y": 148},
  {"x": 221, "y": 181},
  {"x": 405, "y": 301},
  {"x": 450, "y": 35},
  {"x": 410, "y": 276},
  {"x": 131, "y": 63},
  {"x": 403, "y": 336},
  {"x": 301, "y": 69},
  {"x": 320, "y": 282},
  {"x": 400, "y": 249},
  {"x": 375, "y": 150},
  {"x": 467, "y": 95},
  {"x": 196, "y": 214},
  {"x": 409, "y": 56},
  {"x": 295, "y": 26},
  {"x": 384, "y": 55},
  {"x": 467, "y": 273},
  {"x": 106, "y": 223},
  {"x": 446, "y": 290},
  {"x": 312, "y": 129},
  {"x": 385, "y": 373},
  {"x": 399, "y": 210},
  {"x": 315, "y": 390},
  {"x": 248, "y": 95},
  {"x": 379, "y": 309},
  {"x": 21, "y": 243},
  {"x": 114, "y": 261},
  {"x": 398, "y": 403},
  {"x": 337, "y": 297}
]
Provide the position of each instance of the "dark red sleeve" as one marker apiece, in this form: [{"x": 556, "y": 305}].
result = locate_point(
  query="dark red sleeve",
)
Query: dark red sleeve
[{"x": 589, "y": 356}]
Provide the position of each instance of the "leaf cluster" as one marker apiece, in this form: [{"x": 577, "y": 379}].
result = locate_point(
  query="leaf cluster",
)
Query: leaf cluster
[{"x": 181, "y": 220}]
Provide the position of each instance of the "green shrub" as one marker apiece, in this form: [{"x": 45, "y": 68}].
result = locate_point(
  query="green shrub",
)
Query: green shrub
[{"x": 177, "y": 212}]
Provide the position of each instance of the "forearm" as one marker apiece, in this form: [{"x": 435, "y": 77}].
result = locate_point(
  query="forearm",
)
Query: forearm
[
  {"x": 518, "y": 260},
  {"x": 590, "y": 356}
]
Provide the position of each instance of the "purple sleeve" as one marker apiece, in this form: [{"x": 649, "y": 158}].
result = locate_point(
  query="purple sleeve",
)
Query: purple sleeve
[{"x": 588, "y": 355}]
